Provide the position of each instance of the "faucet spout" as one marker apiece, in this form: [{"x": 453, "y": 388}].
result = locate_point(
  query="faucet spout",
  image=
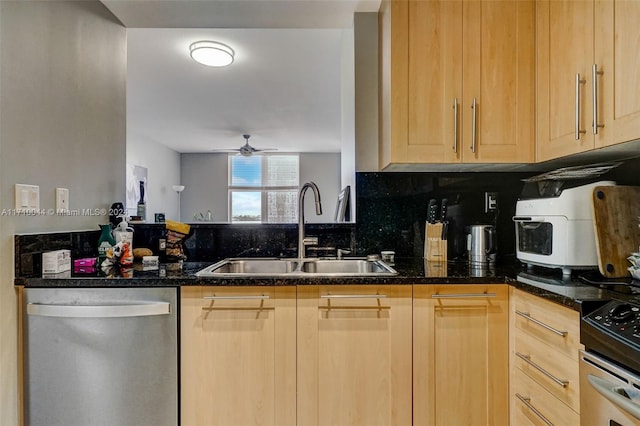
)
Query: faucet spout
[{"x": 316, "y": 195}]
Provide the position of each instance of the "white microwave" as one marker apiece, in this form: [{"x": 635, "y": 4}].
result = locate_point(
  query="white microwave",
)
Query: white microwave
[{"x": 558, "y": 232}]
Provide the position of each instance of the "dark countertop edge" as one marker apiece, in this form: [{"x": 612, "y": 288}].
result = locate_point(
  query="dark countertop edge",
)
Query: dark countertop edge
[
  {"x": 564, "y": 300},
  {"x": 568, "y": 301},
  {"x": 248, "y": 281}
]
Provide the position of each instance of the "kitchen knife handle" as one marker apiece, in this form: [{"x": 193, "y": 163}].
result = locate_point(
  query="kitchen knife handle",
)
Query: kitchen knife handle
[{"x": 443, "y": 210}]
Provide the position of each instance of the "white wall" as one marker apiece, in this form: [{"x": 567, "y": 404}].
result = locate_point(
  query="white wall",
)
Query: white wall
[
  {"x": 62, "y": 115},
  {"x": 205, "y": 179},
  {"x": 163, "y": 171}
]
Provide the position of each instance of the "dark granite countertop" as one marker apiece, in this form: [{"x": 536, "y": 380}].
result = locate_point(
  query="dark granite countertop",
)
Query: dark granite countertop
[
  {"x": 410, "y": 271},
  {"x": 549, "y": 284}
]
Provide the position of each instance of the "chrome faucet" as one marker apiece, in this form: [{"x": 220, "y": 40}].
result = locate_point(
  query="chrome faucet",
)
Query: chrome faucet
[{"x": 302, "y": 241}]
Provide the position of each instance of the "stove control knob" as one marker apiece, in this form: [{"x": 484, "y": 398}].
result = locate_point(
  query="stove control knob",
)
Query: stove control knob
[{"x": 622, "y": 312}]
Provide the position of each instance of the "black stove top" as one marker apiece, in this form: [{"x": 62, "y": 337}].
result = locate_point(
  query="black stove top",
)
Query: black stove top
[{"x": 613, "y": 331}]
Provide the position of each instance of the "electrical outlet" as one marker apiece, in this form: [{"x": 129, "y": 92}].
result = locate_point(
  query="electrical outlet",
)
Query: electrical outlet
[
  {"x": 27, "y": 197},
  {"x": 62, "y": 199},
  {"x": 490, "y": 201}
]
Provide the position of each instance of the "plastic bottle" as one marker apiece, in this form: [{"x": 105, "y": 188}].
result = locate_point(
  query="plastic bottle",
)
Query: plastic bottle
[
  {"x": 123, "y": 235},
  {"x": 105, "y": 242}
]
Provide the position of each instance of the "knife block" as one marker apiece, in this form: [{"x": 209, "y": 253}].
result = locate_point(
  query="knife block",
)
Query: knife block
[{"x": 435, "y": 248}]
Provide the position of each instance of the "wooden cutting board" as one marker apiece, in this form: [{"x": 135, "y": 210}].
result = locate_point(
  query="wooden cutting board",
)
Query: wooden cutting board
[{"x": 615, "y": 219}]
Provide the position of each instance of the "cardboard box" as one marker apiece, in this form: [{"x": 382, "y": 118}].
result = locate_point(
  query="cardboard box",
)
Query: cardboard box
[{"x": 57, "y": 261}]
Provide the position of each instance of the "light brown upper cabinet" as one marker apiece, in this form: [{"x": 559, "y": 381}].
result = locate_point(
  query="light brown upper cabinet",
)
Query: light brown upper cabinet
[
  {"x": 588, "y": 75},
  {"x": 457, "y": 82}
]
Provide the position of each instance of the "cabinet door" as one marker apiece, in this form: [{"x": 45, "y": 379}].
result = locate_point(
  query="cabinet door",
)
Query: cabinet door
[
  {"x": 435, "y": 81},
  {"x": 460, "y": 355},
  {"x": 617, "y": 43},
  {"x": 499, "y": 74},
  {"x": 238, "y": 355},
  {"x": 564, "y": 43},
  {"x": 354, "y": 355}
]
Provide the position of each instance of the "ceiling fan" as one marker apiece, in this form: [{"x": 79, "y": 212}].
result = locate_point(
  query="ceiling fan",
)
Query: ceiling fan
[{"x": 246, "y": 149}]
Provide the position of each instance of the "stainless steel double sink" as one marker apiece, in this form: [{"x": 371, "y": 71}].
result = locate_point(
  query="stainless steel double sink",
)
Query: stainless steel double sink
[{"x": 283, "y": 267}]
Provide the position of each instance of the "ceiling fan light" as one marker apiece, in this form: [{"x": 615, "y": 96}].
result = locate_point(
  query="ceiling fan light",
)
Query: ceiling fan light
[{"x": 211, "y": 53}]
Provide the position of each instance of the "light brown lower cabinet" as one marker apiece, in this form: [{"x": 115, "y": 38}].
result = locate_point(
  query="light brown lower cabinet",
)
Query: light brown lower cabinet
[
  {"x": 345, "y": 355},
  {"x": 354, "y": 355},
  {"x": 460, "y": 355},
  {"x": 544, "y": 345},
  {"x": 238, "y": 355}
]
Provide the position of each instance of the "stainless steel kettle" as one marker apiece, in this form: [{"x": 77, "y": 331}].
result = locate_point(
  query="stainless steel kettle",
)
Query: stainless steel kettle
[{"x": 481, "y": 244}]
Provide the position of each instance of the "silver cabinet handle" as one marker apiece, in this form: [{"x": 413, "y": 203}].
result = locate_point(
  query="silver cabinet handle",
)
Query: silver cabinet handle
[
  {"x": 541, "y": 324},
  {"x": 99, "y": 311},
  {"x": 462, "y": 295},
  {"x": 474, "y": 107},
  {"x": 577, "y": 107},
  {"x": 353, "y": 296},
  {"x": 256, "y": 297},
  {"x": 615, "y": 394},
  {"x": 455, "y": 125},
  {"x": 594, "y": 74},
  {"x": 527, "y": 401},
  {"x": 527, "y": 359}
]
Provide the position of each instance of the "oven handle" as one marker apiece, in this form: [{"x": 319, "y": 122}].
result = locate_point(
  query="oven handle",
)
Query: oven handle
[{"x": 611, "y": 391}]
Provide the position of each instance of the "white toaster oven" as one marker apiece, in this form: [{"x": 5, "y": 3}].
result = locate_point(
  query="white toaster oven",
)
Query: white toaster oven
[{"x": 558, "y": 231}]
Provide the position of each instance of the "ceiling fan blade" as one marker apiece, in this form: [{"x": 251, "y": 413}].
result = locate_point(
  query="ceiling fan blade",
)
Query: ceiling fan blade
[
  {"x": 225, "y": 150},
  {"x": 246, "y": 149}
]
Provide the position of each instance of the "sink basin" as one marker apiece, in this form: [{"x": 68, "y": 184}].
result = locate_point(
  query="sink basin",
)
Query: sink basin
[
  {"x": 277, "y": 267},
  {"x": 346, "y": 266},
  {"x": 249, "y": 266}
]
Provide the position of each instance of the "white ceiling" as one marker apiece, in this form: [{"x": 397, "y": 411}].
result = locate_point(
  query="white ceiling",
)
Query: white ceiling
[{"x": 284, "y": 87}]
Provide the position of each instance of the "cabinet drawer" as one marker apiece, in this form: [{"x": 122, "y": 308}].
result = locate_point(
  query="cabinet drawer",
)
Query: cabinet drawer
[
  {"x": 553, "y": 324},
  {"x": 550, "y": 368},
  {"x": 532, "y": 403}
]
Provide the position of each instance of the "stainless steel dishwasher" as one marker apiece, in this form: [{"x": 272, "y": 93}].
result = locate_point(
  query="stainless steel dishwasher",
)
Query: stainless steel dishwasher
[{"x": 100, "y": 356}]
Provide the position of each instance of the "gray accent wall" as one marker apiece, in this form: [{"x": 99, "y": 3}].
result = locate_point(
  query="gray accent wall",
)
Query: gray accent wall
[
  {"x": 205, "y": 177},
  {"x": 62, "y": 124},
  {"x": 365, "y": 28}
]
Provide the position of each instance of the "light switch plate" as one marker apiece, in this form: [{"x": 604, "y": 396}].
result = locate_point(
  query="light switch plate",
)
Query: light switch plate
[
  {"x": 27, "y": 197},
  {"x": 62, "y": 199}
]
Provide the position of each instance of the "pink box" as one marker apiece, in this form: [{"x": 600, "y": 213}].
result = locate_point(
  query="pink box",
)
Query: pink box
[{"x": 86, "y": 262}]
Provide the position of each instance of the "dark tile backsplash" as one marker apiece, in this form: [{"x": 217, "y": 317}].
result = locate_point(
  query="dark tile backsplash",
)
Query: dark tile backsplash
[{"x": 391, "y": 210}]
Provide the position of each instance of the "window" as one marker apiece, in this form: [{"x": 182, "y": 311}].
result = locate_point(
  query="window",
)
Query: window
[{"x": 264, "y": 188}]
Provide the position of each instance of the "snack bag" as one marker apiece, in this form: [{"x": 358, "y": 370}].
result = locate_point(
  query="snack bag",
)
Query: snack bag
[{"x": 176, "y": 234}]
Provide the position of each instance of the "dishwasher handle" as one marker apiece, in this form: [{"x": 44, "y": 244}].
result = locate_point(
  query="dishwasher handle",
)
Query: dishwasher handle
[
  {"x": 99, "y": 311},
  {"x": 614, "y": 393}
]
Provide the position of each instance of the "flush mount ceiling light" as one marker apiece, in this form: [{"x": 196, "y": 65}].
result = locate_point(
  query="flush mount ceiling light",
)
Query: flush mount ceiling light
[{"x": 211, "y": 53}]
